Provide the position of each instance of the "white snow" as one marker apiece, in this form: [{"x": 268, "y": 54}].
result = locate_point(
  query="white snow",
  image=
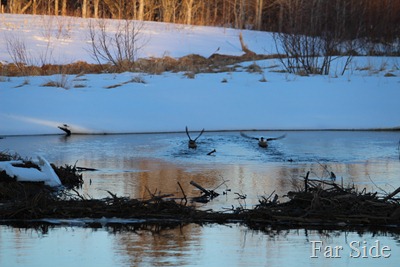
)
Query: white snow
[
  {"x": 46, "y": 173},
  {"x": 360, "y": 99}
]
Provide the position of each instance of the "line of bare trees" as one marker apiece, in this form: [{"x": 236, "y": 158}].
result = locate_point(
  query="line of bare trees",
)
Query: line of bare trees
[
  {"x": 374, "y": 18},
  {"x": 309, "y": 34},
  {"x": 313, "y": 33}
]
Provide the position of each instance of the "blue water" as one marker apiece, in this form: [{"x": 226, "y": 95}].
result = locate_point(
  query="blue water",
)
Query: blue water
[
  {"x": 128, "y": 165},
  {"x": 193, "y": 245}
]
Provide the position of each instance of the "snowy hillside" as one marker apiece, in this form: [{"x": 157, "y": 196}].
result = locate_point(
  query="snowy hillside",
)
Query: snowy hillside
[{"x": 364, "y": 97}]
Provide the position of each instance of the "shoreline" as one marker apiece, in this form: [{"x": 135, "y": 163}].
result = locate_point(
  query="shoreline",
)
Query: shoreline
[{"x": 378, "y": 129}]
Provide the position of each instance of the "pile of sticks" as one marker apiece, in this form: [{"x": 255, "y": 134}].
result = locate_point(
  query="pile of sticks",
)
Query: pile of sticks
[
  {"x": 328, "y": 203},
  {"x": 321, "y": 203}
]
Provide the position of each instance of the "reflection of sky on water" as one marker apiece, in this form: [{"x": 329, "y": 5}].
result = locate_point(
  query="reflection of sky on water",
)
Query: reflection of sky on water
[
  {"x": 297, "y": 147},
  {"x": 189, "y": 245},
  {"x": 132, "y": 165}
]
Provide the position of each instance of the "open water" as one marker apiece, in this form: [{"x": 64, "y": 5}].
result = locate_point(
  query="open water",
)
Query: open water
[{"x": 134, "y": 164}]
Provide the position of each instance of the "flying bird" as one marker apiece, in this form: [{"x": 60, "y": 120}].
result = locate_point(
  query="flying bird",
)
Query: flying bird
[
  {"x": 262, "y": 142},
  {"x": 192, "y": 142}
]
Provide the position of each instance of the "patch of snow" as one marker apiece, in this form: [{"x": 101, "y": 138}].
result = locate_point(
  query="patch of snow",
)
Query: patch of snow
[{"x": 46, "y": 173}]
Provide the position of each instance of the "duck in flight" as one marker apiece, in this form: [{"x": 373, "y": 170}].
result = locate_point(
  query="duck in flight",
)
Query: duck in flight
[
  {"x": 192, "y": 142},
  {"x": 262, "y": 142},
  {"x": 66, "y": 129}
]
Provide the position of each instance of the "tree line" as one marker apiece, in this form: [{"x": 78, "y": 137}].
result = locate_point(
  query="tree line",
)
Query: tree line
[{"x": 377, "y": 20}]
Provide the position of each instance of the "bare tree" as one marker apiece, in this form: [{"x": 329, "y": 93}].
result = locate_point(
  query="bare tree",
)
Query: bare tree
[
  {"x": 64, "y": 7},
  {"x": 16, "y": 48},
  {"x": 119, "y": 48},
  {"x": 56, "y": 7},
  {"x": 19, "y": 6},
  {"x": 189, "y": 11},
  {"x": 169, "y": 10},
  {"x": 34, "y": 7},
  {"x": 375, "y": 22},
  {"x": 313, "y": 38},
  {"x": 141, "y": 10},
  {"x": 96, "y": 8},
  {"x": 259, "y": 5},
  {"x": 84, "y": 8}
]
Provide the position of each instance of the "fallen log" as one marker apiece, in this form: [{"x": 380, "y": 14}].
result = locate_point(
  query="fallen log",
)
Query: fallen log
[
  {"x": 211, "y": 152},
  {"x": 207, "y": 194},
  {"x": 205, "y": 191},
  {"x": 82, "y": 169}
]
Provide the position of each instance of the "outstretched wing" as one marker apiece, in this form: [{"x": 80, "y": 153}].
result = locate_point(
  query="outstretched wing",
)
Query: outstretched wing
[
  {"x": 65, "y": 128},
  {"x": 276, "y": 138},
  {"x": 202, "y": 131},
  {"x": 187, "y": 133},
  {"x": 249, "y": 137}
]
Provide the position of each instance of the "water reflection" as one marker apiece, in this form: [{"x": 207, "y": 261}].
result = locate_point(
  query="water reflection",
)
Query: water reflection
[
  {"x": 254, "y": 181},
  {"x": 187, "y": 245},
  {"x": 235, "y": 245},
  {"x": 132, "y": 165},
  {"x": 159, "y": 246}
]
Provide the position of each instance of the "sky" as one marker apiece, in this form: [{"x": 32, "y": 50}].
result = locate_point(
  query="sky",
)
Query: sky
[{"x": 362, "y": 98}]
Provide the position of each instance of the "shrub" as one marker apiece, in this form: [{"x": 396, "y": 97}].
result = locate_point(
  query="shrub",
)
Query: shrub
[
  {"x": 61, "y": 80},
  {"x": 120, "y": 48}
]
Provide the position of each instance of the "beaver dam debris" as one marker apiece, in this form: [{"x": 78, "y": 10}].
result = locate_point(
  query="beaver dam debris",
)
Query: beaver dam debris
[
  {"x": 322, "y": 203},
  {"x": 39, "y": 170},
  {"x": 14, "y": 170}
]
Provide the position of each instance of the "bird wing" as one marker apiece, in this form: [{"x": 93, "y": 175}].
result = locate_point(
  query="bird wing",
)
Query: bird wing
[
  {"x": 276, "y": 138},
  {"x": 246, "y": 136},
  {"x": 202, "y": 131}
]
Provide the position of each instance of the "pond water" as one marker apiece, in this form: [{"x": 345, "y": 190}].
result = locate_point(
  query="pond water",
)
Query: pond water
[{"x": 135, "y": 164}]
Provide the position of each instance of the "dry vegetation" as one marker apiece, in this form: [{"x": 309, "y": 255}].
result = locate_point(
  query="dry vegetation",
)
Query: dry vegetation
[{"x": 189, "y": 63}]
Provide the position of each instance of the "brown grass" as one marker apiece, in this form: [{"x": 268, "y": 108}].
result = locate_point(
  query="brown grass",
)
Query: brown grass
[
  {"x": 190, "y": 64},
  {"x": 389, "y": 74}
]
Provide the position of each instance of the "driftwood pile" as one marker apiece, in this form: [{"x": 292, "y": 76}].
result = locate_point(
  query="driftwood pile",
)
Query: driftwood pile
[
  {"x": 322, "y": 203},
  {"x": 326, "y": 203}
]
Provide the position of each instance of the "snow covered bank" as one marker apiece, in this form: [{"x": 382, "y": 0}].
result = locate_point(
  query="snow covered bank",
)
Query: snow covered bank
[
  {"x": 363, "y": 98},
  {"x": 169, "y": 102}
]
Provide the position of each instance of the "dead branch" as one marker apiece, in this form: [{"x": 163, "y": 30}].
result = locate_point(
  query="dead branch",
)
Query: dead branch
[
  {"x": 211, "y": 152},
  {"x": 240, "y": 196},
  {"x": 245, "y": 49},
  {"x": 207, "y": 194},
  {"x": 81, "y": 169},
  {"x": 306, "y": 182},
  {"x": 183, "y": 192},
  {"x": 205, "y": 191},
  {"x": 391, "y": 195}
]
